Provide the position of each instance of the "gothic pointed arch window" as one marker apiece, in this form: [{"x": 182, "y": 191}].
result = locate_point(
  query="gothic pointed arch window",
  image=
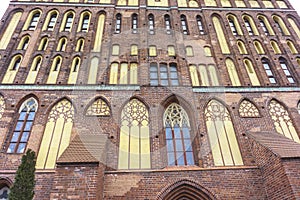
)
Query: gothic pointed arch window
[
  {"x": 134, "y": 21},
  {"x": 223, "y": 143},
  {"x": 178, "y": 138},
  {"x": 134, "y": 147},
  {"x": 118, "y": 23},
  {"x": 4, "y": 192},
  {"x": 248, "y": 109},
  {"x": 23, "y": 126},
  {"x": 282, "y": 121},
  {"x": 57, "y": 134},
  {"x": 98, "y": 108}
]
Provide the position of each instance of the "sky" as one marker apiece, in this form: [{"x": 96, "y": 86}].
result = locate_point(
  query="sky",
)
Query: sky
[{"x": 5, "y": 3}]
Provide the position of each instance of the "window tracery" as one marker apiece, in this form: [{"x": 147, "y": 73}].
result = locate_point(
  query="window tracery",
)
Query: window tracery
[
  {"x": 248, "y": 109},
  {"x": 98, "y": 108}
]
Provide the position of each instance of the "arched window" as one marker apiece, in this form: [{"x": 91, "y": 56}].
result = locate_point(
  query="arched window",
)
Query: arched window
[
  {"x": 21, "y": 134},
  {"x": 134, "y": 147},
  {"x": 67, "y": 22},
  {"x": 286, "y": 70},
  {"x": 115, "y": 50},
  {"x": 265, "y": 25},
  {"x": 134, "y": 50},
  {"x": 79, "y": 45},
  {"x": 275, "y": 47},
  {"x": 152, "y": 51},
  {"x": 207, "y": 51},
  {"x": 62, "y": 44},
  {"x": 282, "y": 121},
  {"x": 248, "y": 26},
  {"x": 221, "y": 36},
  {"x": 34, "y": 21},
  {"x": 56, "y": 135},
  {"x": 151, "y": 23},
  {"x": 24, "y": 43},
  {"x": 258, "y": 47},
  {"x": 242, "y": 47},
  {"x": 134, "y": 22},
  {"x": 84, "y": 22},
  {"x": 113, "y": 77},
  {"x": 233, "y": 75},
  {"x": 98, "y": 108},
  {"x": 178, "y": 137},
  {"x": 54, "y": 71},
  {"x": 168, "y": 24},
  {"x": 118, "y": 23},
  {"x": 12, "y": 69},
  {"x": 200, "y": 25},
  {"x": 52, "y": 21},
  {"x": 4, "y": 192},
  {"x": 269, "y": 73},
  {"x": 294, "y": 26},
  {"x": 34, "y": 69},
  {"x": 99, "y": 33},
  {"x": 292, "y": 47},
  {"x": 194, "y": 75},
  {"x": 251, "y": 72},
  {"x": 43, "y": 44},
  {"x": 223, "y": 143},
  {"x": 248, "y": 109},
  {"x": 189, "y": 51},
  {"x": 74, "y": 70},
  {"x": 281, "y": 25},
  {"x": 233, "y": 25},
  {"x": 184, "y": 25}
]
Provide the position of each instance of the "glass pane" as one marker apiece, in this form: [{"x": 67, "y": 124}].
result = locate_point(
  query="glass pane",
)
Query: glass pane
[
  {"x": 287, "y": 72},
  {"x": 177, "y": 132},
  {"x": 174, "y": 82},
  {"x": 291, "y": 80},
  {"x": 11, "y": 148},
  {"x": 25, "y": 137},
  {"x": 153, "y": 75},
  {"x": 180, "y": 158},
  {"x": 163, "y": 75},
  {"x": 21, "y": 148},
  {"x": 188, "y": 145},
  {"x": 31, "y": 116},
  {"x": 170, "y": 146},
  {"x": 163, "y": 68},
  {"x": 171, "y": 159},
  {"x": 272, "y": 80},
  {"x": 174, "y": 75},
  {"x": 179, "y": 146},
  {"x": 22, "y": 116},
  {"x": 164, "y": 82},
  {"x": 28, "y": 126},
  {"x": 186, "y": 132},
  {"x": 169, "y": 133},
  {"x": 15, "y": 137},
  {"x": 153, "y": 82},
  {"x": 269, "y": 72},
  {"x": 19, "y": 126},
  {"x": 189, "y": 158}
]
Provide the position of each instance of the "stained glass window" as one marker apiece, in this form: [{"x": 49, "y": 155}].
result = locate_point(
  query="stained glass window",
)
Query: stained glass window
[
  {"x": 178, "y": 137},
  {"x": 221, "y": 134},
  {"x": 98, "y": 108},
  {"x": 134, "y": 149},
  {"x": 248, "y": 109},
  {"x": 282, "y": 121},
  {"x": 23, "y": 127},
  {"x": 57, "y": 134}
]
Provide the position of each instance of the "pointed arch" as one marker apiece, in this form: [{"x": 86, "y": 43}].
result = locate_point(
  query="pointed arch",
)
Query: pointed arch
[
  {"x": 5, "y": 185},
  {"x": 248, "y": 109},
  {"x": 258, "y": 47},
  {"x": 34, "y": 70},
  {"x": 32, "y": 20},
  {"x": 234, "y": 25},
  {"x": 54, "y": 71},
  {"x": 250, "y": 25},
  {"x": 98, "y": 107},
  {"x": 242, "y": 47},
  {"x": 99, "y": 32},
  {"x": 57, "y": 134},
  {"x": 74, "y": 70},
  {"x": 12, "y": 69},
  {"x": 282, "y": 121},
  {"x": 220, "y": 35},
  {"x": 281, "y": 25},
  {"x": 43, "y": 44},
  {"x": 251, "y": 72},
  {"x": 23, "y": 126},
  {"x": 221, "y": 134},
  {"x": 177, "y": 134},
  {"x": 292, "y": 47},
  {"x": 265, "y": 25},
  {"x": 294, "y": 25},
  {"x": 275, "y": 47},
  {"x": 51, "y": 20},
  {"x": 233, "y": 75},
  {"x": 24, "y": 43},
  {"x": 185, "y": 189},
  {"x": 134, "y": 143},
  {"x": 84, "y": 22}
]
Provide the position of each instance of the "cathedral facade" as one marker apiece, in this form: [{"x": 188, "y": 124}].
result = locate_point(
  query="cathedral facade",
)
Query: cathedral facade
[{"x": 152, "y": 99}]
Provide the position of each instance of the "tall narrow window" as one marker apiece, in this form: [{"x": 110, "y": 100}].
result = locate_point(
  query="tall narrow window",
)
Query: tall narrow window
[
  {"x": 37, "y": 64},
  {"x": 268, "y": 71},
  {"x": 12, "y": 69},
  {"x": 134, "y": 147},
  {"x": 79, "y": 45},
  {"x": 134, "y": 50},
  {"x": 258, "y": 47},
  {"x": 223, "y": 143},
  {"x": 118, "y": 23},
  {"x": 284, "y": 67},
  {"x": 248, "y": 26},
  {"x": 43, "y": 44},
  {"x": 171, "y": 50},
  {"x": 220, "y": 35},
  {"x": 56, "y": 135},
  {"x": 134, "y": 23},
  {"x": 233, "y": 75},
  {"x": 281, "y": 25},
  {"x": 242, "y": 47},
  {"x": 52, "y": 22},
  {"x": 168, "y": 24},
  {"x": 189, "y": 51},
  {"x": 282, "y": 121},
  {"x": 68, "y": 22},
  {"x": 23, "y": 43},
  {"x": 54, "y": 71},
  {"x": 194, "y": 75},
  {"x": 85, "y": 22},
  {"x": 62, "y": 44},
  {"x": 34, "y": 21},
  {"x": 200, "y": 25},
  {"x": 232, "y": 26},
  {"x": 16, "y": 64},
  {"x": 275, "y": 47},
  {"x": 34, "y": 69},
  {"x": 184, "y": 25},
  {"x": 178, "y": 137},
  {"x": 153, "y": 74},
  {"x": 113, "y": 76},
  {"x": 152, "y": 51},
  {"x": 74, "y": 71},
  {"x": 294, "y": 26},
  {"x": 292, "y": 47},
  {"x": 251, "y": 72},
  {"x": 19, "y": 139},
  {"x": 173, "y": 74},
  {"x": 151, "y": 23},
  {"x": 263, "y": 26}
]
